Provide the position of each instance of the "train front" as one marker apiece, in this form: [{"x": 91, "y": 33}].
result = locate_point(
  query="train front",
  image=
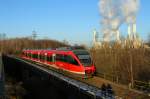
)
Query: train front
[{"x": 86, "y": 61}]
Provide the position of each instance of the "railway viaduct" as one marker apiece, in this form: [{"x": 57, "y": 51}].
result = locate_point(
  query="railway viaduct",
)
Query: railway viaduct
[{"x": 45, "y": 82}]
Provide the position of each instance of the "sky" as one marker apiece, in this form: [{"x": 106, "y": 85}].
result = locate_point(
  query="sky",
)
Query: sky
[{"x": 72, "y": 20}]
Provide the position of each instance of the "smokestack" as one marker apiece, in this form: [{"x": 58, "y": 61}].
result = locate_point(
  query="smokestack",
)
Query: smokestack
[
  {"x": 106, "y": 36},
  {"x": 118, "y": 35},
  {"x": 129, "y": 32},
  {"x": 114, "y": 14},
  {"x": 134, "y": 30},
  {"x": 95, "y": 37},
  {"x": 106, "y": 39}
]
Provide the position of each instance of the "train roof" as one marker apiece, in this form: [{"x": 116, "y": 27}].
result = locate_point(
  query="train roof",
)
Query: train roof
[
  {"x": 77, "y": 52},
  {"x": 74, "y": 49}
]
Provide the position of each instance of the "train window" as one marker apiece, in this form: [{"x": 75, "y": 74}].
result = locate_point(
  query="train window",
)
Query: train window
[
  {"x": 42, "y": 57},
  {"x": 32, "y": 55},
  {"x": 35, "y": 56},
  {"x": 59, "y": 57},
  {"x": 49, "y": 58},
  {"x": 23, "y": 53},
  {"x": 45, "y": 57},
  {"x": 29, "y": 54},
  {"x": 70, "y": 60},
  {"x": 85, "y": 59},
  {"x": 38, "y": 56}
]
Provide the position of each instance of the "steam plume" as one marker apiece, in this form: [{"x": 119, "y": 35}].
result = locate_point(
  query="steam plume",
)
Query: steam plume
[{"x": 116, "y": 12}]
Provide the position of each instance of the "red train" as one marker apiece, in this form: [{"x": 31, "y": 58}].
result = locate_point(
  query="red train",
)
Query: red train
[{"x": 74, "y": 61}]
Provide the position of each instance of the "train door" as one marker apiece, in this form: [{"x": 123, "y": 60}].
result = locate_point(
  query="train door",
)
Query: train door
[
  {"x": 59, "y": 61},
  {"x": 64, "y": 63},
  {"x": 50, "y": 58}
]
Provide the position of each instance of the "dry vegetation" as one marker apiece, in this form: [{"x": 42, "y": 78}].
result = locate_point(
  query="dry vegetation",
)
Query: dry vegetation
[
  {"x": 115, "y": 61},
  {"x": 16, "y": 45},
  {"x": 118, "y": 62}
]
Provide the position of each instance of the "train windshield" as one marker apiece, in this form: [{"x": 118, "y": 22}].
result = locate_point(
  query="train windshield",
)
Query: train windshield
[{"x": 84, "y": 58}]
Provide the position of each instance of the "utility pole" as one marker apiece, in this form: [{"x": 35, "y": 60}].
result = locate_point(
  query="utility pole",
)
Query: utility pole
[
  {"x": 2, "y": 38},
  {"x": 34, "y": 35}
]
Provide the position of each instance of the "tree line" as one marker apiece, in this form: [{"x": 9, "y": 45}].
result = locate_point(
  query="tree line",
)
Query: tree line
[{"x": 16, "y": 45}]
